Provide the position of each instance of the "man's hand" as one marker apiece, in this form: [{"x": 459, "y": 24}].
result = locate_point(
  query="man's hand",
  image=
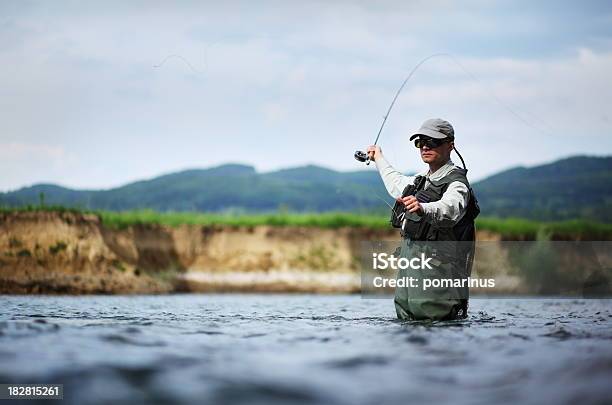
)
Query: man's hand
[
  {"x": 412, "y": 204},
  {"x": 374, "y": 152}
]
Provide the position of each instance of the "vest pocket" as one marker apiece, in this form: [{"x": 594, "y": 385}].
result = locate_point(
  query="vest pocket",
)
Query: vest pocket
[{"x": 432, "y": 233}]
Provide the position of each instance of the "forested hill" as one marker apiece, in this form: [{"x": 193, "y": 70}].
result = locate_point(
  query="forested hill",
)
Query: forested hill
[{"x": 576, "y": 187}]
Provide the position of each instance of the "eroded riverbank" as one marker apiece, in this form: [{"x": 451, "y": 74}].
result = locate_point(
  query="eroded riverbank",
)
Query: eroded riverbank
[{"x": 76, "y": 253}]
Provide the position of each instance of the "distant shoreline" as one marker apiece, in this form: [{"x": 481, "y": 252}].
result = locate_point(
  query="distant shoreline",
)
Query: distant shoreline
[
  {"x": 506, "y": 228},
  {"x": 61, "y": 251}
]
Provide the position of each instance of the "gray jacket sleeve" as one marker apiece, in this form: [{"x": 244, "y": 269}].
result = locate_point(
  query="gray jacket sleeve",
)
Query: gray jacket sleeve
[
  {"x": 447, "y": 211},
  {"x": 395, "y": 181}
]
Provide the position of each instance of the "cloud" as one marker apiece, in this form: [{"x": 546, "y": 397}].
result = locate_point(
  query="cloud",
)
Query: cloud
[
  {"x": 19, "y": 150},
  {"x": 21, "y": 162},
  {"x": 281, "y": 84}
]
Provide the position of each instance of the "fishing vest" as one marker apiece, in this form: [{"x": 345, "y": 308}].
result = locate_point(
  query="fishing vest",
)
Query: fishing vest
[{"x": 417, "y": 228}]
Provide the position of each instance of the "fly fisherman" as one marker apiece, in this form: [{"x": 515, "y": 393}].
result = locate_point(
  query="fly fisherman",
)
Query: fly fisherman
[{"x": 436, "y": 209}]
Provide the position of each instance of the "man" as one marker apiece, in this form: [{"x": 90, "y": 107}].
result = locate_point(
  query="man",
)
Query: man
[{"x": 438, "y": 209}]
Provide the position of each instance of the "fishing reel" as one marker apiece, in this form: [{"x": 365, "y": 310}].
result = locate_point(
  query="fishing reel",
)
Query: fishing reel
[{"x": 362, "y": 157}]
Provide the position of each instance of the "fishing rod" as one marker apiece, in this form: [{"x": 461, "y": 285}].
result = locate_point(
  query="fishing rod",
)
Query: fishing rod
[{"x": 364, "y": 157}]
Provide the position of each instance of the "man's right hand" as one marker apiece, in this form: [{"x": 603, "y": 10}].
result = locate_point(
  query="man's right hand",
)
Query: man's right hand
[{"x": 374, "y": 152}]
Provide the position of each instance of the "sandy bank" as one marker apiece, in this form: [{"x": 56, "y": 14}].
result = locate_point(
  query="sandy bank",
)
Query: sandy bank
[
  {"x": 74, "y": 253},
  {"x": 54, "y": 252}
]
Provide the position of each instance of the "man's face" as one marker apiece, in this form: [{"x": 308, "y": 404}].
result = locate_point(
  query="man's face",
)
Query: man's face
[{"x": 435, "y": 154}]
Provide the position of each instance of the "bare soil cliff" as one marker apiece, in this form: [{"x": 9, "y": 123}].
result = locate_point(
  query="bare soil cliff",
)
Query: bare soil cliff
[{"x": 64, "y": 252}]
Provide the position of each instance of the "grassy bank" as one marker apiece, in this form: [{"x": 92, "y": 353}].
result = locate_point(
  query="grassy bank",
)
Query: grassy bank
[{"x": 508, "y": 227}]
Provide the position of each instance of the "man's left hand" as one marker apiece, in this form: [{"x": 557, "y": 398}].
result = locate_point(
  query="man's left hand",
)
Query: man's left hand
[{"x": 412, "y": 204}]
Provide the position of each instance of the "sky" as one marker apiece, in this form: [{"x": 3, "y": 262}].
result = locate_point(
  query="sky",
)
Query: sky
[{"x": 95, "y": 95}]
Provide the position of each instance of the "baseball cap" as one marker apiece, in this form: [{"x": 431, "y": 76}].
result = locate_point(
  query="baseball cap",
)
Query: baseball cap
[{"x": 435, "y": 128}]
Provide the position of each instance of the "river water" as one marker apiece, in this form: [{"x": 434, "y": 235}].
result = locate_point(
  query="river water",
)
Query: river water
[{"x": 266, "y": 349}]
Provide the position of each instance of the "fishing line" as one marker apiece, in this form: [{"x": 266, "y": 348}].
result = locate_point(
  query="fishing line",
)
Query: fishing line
[
  {"x": 338, "y": 191},
  {"x": 363, "y": 157},
  {"x": 494, "y": 96},
  {"x": 185, "y": 61},
  {"x": 382, "y": 199},
  {"x": 180, "y": 58}
]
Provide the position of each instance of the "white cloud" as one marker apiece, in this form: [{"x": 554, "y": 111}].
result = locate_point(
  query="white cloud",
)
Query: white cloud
[
  {"x": 19, "y": 150},
  {"x": 26, "y": 163},
  {"x": 311, "y": 79}
]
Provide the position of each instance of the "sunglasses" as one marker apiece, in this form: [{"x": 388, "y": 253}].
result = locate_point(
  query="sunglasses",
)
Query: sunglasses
[{"x": 431, "y": 143}]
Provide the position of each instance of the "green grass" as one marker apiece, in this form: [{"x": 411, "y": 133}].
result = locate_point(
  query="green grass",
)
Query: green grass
[
  {"x": 508, "y": 227},
  {"x": 323, "y": 220},
  {"x": 528, "y": 229},
  {"x": 44, "y": 208}
]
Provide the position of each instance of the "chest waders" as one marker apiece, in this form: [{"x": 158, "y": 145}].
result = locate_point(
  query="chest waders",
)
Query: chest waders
[{"x": 452, "y": 249}]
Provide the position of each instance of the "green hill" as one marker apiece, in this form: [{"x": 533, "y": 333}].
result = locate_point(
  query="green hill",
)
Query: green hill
[
  {"x": 577, "y": 187},
  {"x": 230, "y": 187}
]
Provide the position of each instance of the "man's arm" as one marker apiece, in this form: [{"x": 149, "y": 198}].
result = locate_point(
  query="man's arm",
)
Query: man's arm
[
  {"x": 395, "y": 181},
  {"x": 447, "y": 211}
]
